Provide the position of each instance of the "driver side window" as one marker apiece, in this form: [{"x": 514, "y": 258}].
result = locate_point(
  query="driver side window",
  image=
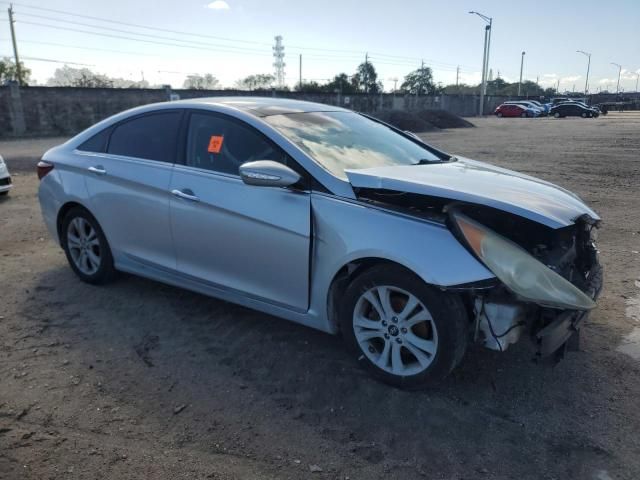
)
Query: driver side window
[{"x": 221, "y": 145}]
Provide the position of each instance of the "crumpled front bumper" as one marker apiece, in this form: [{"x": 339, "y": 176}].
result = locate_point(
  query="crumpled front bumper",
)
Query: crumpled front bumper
[{"x": 564, "y": 330}]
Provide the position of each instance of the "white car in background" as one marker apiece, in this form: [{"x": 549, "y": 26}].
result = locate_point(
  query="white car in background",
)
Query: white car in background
[{"x": 5, "y": 178}]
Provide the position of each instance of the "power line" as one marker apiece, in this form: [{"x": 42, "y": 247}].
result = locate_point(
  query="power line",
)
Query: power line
[
  {"x": 201, "y": 35},
  {"x": 38, "y": 59},
  {"x": 122, "y": 37},
  {"x": 129, "y": 32},
  {"x": 66, "y": 45},
  {"x": 117, "y": 22}
]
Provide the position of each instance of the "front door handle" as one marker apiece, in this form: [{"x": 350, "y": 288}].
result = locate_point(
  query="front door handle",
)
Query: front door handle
[
  {"x": 186, "y": 194},
  {"x": 98, "y": 170}
]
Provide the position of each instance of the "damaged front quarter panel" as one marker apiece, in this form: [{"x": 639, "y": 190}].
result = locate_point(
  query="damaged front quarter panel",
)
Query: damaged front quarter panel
[{"x": 501, "y": 317}]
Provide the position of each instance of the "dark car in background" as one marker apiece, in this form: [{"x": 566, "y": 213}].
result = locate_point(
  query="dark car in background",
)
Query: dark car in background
[{"x": 573, "y": 109}]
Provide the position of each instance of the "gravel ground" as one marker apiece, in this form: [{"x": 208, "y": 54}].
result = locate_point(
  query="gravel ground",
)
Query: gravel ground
[{"x": 141, "y": 380}]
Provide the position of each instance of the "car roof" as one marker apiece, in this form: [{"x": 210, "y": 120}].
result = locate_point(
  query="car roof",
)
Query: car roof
[{"x": 263, "y": 106}]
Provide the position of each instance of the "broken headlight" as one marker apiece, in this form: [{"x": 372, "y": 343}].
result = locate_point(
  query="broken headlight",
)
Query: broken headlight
[{"x": 523, "y": 274}]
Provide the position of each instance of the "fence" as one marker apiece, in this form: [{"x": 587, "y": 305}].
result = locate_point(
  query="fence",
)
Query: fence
[{"x": 40, "y": 111}]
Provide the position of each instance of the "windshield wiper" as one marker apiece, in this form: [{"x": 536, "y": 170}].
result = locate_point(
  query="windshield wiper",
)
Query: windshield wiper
[{"x": 426, "y": 161}]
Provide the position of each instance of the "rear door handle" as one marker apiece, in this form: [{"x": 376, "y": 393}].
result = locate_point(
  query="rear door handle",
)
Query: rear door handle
[
  {"x": 186, "y": 194},
  {"x": 98, "y": 170}
]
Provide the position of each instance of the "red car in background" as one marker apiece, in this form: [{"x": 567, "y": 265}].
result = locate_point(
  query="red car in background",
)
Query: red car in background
[{"x": 511, "y": 110}]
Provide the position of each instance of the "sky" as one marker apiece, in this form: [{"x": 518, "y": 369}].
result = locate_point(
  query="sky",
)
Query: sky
[{"x": 233, "y": 38}]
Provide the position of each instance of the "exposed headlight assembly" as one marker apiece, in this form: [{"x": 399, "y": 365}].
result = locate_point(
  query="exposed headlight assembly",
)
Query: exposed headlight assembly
[{"x": 523, "y": 274}]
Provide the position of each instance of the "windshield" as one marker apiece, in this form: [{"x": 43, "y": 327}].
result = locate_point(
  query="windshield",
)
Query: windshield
[{"x": 347, "y": 140}]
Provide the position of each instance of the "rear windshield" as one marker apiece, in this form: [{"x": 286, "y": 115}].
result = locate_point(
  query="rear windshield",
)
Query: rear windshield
[{"x": 347, "y": 140}]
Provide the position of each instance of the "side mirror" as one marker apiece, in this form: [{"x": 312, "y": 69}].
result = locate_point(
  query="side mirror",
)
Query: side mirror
[{"x": 267, "y": 173}]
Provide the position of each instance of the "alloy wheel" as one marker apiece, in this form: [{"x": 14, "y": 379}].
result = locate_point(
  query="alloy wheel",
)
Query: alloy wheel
[
  {"x": 395, "y": 330},
  {"x": 84, "y": 246}
]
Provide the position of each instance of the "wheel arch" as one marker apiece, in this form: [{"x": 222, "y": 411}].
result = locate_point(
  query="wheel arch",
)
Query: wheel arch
[
  {"x": 346, "y": 274},
  {"x": 62, "y": 212}
]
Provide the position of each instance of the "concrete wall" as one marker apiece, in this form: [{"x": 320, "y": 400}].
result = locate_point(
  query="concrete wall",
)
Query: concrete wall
[{"x": 40, "y": 111}]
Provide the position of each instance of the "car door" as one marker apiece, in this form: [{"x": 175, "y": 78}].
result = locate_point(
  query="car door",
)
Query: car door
[
  {"x": 251, "y": 240},
  {"x": 128, "y": 184}
]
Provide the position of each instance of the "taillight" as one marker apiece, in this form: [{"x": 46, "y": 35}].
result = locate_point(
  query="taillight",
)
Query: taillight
[{"x": 43, "y": 168}]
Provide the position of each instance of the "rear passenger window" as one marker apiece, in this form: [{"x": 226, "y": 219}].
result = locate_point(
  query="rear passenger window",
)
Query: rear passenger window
[
  {"x": 97, "y": 143},
  {"x": 152, "y": 137},
  {"x": 220, "y": 144}
]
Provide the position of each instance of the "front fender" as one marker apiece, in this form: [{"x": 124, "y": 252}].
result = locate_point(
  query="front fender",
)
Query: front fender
[{"x": 345, "y": 231}]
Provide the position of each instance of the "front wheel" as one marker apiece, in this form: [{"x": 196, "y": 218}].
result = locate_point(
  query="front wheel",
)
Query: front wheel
[
  {"x": 403, "y": 331},
  {"x": 556, "y": 115},
  {"x": 523, "y": 115},
  {"x": 584, "y": 115},
  {"x": 499, "y": 114},
  {"x": 86, "y": 247}
]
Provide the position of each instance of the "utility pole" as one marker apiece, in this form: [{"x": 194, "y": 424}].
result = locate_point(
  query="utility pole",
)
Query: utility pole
[
  {"x": 485, "y": 57},
  {"x": 619, "y": 72},
  {"x": 15, "y": 45},
  {"x": 521, "y": 66},
  {"x": 586, "y": 82},
  {"x": 366, "y": 73},
  {"x": 418, "y": 85},
  {"x": 300, "y": 74},
  {"x": 457, "y": 76},
  {"x": 558, "y": 87},
  {"x": 637, "y": 78}
]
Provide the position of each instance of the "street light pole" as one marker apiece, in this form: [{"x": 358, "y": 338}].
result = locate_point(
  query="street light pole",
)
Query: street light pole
[
  {"x": 619, "y": 72},
  {"x": 521, "y": 66},
  {"x": 485, "y": 57},
  {"x": 586, "y": 82},
  {"x": 637, "y": 78}
]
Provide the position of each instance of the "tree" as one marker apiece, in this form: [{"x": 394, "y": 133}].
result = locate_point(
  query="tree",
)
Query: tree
[
  {"x": 366, "y": 79},
  {"x": 341, "y": 84},
  {"x": 311, "y": 87},
  {"x": 8, "y": 72},
  {"x": 419, "y": 82},
  {"x": 78, "y": 77},
  {"x": 260, "y": 81},
  {"x": 201, "y": 82},
  {"x": 461, "y": 89},
  {"x": 83, "y": 77}
]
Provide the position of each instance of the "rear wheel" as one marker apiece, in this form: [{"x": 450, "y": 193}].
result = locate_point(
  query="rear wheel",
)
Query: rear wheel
[
  {"x": 523, "y": 114},
  {"x": 556, "y": 115},
  {"x": 403, "y": 331},
  {"x": 86, "y": 247}
]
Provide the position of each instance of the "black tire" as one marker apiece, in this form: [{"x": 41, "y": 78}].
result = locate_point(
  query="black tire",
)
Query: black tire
[
  {"x": 556, "y": 115},
  {"x": 499, "y": 114},
  {"x": 106, "y": 272},
  {"x": 448, "y": 316},
  {"x": 584, "y": 115},
  {"x": 4, "y": 194},
  {"x": 523, "y": 115}
]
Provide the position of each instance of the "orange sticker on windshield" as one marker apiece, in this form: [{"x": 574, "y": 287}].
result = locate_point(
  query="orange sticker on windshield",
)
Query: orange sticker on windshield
[{"x": 215, "y": 144}]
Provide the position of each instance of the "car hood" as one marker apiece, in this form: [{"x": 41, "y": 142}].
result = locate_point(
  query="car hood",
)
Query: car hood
[{"x": 476, "y": 182}]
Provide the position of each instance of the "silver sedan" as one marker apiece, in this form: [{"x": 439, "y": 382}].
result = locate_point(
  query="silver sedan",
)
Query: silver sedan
[
  {"x": 331, "y": 219},
  {"x": 5, "y": 178}
]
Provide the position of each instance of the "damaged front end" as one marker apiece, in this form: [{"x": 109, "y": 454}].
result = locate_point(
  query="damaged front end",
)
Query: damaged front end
[{"x": 547, "y": 279}]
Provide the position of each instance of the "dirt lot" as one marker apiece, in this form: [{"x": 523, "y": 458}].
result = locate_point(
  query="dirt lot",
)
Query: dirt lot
[{"x": 141, "y": 380}]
